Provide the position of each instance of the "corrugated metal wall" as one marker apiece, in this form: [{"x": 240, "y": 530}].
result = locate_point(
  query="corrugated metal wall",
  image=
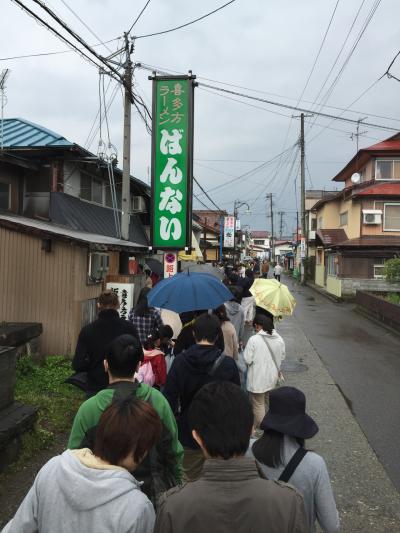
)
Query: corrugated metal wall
[{"x": 46, "y": 287}]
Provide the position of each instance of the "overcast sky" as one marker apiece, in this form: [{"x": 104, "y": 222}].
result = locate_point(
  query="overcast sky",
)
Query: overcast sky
[{"x": 262, "y": 45}]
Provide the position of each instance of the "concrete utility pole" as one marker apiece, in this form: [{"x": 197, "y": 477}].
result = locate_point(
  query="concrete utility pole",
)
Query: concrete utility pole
[
  {"x": 271, "y": 214},
  {"x": 281, "y": 213},
  {"x": 303, "y": 195},
  {"x": 126, "y": 168}
]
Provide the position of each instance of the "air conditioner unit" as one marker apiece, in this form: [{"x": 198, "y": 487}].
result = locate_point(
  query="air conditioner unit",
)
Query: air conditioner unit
[
  {"x": 138, "y": 204},
  {"x": 372, "y": 216}
]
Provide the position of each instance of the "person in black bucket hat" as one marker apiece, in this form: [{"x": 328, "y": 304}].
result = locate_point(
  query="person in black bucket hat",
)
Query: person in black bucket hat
[{"x": 281, "y": 455}]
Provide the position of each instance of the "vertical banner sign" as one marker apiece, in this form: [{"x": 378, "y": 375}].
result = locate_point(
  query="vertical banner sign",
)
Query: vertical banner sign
[
  {"x": 170, "y": 264},
  {"x": 303, "y": 248},
  {"x": 229, "y": 232},
  {"x": 172, "y": 162},
  {"x": 124, "y": 291}
]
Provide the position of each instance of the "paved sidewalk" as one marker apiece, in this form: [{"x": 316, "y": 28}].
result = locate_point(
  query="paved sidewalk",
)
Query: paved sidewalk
[{"x": 367, "y": 500}]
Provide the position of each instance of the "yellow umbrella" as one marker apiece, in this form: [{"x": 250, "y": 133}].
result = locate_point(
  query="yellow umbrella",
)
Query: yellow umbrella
[{"x": 273, "y": 296}]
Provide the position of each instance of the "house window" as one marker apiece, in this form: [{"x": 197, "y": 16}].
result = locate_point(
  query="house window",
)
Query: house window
[
  {"x": 391, "y": 220},
  {"x": 320, "y": 255},
  {"x": 259, "y": 242},
  {"x": 387, "y": 169},
  {"x": 343, "y": 218},
  {"x": 99, "y": 265},
  {"x": 91, "y": 189},
  {"x": 319, "y": 223},
  {"x": 313, "y": 224},
  {"x": 5, "y": 196},
  {"x": 332, "y": 264},
  {"x": 379, "y": 267},
  {"x": 86, "y": 187}
]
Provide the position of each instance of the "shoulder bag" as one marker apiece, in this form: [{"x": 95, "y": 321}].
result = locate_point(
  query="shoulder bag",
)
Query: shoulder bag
[{"x": 281, "y": 379}]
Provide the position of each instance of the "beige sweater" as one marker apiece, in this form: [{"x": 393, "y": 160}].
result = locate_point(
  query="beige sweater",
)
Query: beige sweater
[{"x": 230, "y": 339}]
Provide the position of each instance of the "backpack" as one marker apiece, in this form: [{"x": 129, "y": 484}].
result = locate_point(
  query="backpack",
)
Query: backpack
[{"x": 145, "y": 374}]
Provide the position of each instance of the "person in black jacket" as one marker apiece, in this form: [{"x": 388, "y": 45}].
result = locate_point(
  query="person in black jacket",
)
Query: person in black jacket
[
  {"x": 200, "y": 364},
  {"x": 186, "y": 338},
  {"x": 94, "y": 339}
]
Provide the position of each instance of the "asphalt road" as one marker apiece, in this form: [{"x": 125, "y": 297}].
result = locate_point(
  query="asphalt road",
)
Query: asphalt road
[{"x": 363, "y": 359}]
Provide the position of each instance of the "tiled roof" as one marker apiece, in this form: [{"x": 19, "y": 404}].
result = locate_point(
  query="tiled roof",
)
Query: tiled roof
[
  {"x": 259, "y": 234},
  {"x": 389, "y": 146},
  {"x": 19, "y": 133},
  {"x": 380, "y": 189},
  {"x": 372, "y": 240},
  {"x": 329, "y": 237}
]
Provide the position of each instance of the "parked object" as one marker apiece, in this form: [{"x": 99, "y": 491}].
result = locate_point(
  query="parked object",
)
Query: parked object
[
  {"x": 273, "y": 296},
  {"x": 189, "y": 291}
]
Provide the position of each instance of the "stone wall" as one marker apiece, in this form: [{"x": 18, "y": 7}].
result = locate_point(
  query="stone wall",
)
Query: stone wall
[{"x": 351, "y": 285}]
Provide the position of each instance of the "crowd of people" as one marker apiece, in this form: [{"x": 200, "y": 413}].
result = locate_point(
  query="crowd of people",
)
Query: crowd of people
[{"x": 184, "y": 428}]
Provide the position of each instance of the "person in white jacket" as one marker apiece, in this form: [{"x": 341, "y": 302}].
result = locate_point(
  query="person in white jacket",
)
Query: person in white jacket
[
  {"x": 263, "y": 355},
  {"x": 82, "y": 491}
]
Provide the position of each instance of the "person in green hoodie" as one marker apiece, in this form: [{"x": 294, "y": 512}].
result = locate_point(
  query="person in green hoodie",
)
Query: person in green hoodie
[{"x": 162, "y": 468}]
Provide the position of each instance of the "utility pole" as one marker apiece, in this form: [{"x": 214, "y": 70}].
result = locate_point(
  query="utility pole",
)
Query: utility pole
[
  {"x": 126, "y": 168},
  {"x": 3, "y": 78},
  {"x": 281, "y": 213},
  {"x": 271, "y": 214},
  {"x": 303, "y": 197}
]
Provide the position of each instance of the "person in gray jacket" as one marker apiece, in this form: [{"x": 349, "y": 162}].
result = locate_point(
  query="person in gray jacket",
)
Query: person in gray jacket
[
  {"x": 230, "y": 496},
  {"x": 281, "y": 455},
  {"x": 81, "y": 491},
  {"x": 235, "y": 312}
]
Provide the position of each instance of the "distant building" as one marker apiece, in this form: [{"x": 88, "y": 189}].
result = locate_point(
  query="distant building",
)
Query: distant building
[
  {"x": 358, "y": 228},
  {"x": 259, "y": 244}
]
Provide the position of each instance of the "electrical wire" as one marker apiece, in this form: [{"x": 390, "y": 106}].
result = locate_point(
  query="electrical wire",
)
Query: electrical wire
[
  {"x": 84, "y": 24},
  {"x": 163, "y": 70},
  {"x": 207, "y": 196},
  {"x": 301, "y": 109},
  {"x": 138, "y": 17},
  {"x": 186, "y": 24},
  {"x": 75, "y": 36},
  {"x": 40, "y": 54},
  {"x": 56, "y": 33}
]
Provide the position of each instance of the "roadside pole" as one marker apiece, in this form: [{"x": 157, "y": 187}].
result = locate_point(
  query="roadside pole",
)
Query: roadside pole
[
  {"x": 271, "y": 214},
  {"x": 126, "y": 168}
]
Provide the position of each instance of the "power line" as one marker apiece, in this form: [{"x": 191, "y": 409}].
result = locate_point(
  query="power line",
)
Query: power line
[
  {"x": 161, "y": 70},
  {"x": 57, "y": 34},
  {"x": 40, "y": 54},
  {"x": 282, "y": 114},
  {"x": 84, "y": 24},
  {"x": 302, "y": 109},
  {"x": 186, "y": 24},
  {"x": 204, "y": 192},
  {"x": 138, "y": 17},
  {"x": 75, "y": 35}
]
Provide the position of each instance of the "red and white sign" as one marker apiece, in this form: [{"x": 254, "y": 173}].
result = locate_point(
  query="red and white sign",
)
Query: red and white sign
[{"x": 170, "y": 264}]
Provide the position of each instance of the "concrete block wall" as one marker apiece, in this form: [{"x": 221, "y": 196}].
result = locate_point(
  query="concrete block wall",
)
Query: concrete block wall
[{"x": 351, "y": 285}]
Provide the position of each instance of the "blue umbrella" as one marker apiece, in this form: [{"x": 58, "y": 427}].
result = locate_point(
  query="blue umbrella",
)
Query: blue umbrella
[{"x": 189, "y": 291}]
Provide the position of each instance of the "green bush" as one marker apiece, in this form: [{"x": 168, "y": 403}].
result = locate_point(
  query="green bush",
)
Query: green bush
[
  {"x": 43, "y": 387},
  {"x": 392, "y": 269},
  {"x": 393, "y": 298}
]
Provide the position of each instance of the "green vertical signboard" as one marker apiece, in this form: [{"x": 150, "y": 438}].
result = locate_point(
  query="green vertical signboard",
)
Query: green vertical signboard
[{"x": 172, "y": 162}]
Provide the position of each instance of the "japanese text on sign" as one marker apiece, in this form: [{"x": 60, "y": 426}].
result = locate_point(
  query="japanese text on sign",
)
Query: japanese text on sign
[{"x": 171, "y": 182}]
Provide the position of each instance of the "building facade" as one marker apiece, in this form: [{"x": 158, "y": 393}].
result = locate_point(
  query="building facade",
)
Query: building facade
[{"x": 358, "y": 228}]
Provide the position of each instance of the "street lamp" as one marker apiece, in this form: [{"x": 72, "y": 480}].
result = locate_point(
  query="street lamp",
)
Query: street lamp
[{"x": 236, "y": 206}]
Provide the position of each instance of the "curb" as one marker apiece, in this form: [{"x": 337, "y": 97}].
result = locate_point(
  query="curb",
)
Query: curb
[{"x": 323, "y": 292}]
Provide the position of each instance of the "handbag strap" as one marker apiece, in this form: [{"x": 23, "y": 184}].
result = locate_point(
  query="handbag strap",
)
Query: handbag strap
[
  {"x": 216, "y": 364},
  {"x": 292, "y": 465},
  {"x": 271, "y": 354}
]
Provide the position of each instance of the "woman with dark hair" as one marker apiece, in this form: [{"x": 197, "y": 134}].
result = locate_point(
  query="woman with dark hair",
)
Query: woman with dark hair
[
  {"x": 281, "y": 455},
  {"x": 82, "y": 490},
  {"x": 154, "y": 356},
  {"x": 145, "y": 318},
  {"x": 229, "y": 333}
]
